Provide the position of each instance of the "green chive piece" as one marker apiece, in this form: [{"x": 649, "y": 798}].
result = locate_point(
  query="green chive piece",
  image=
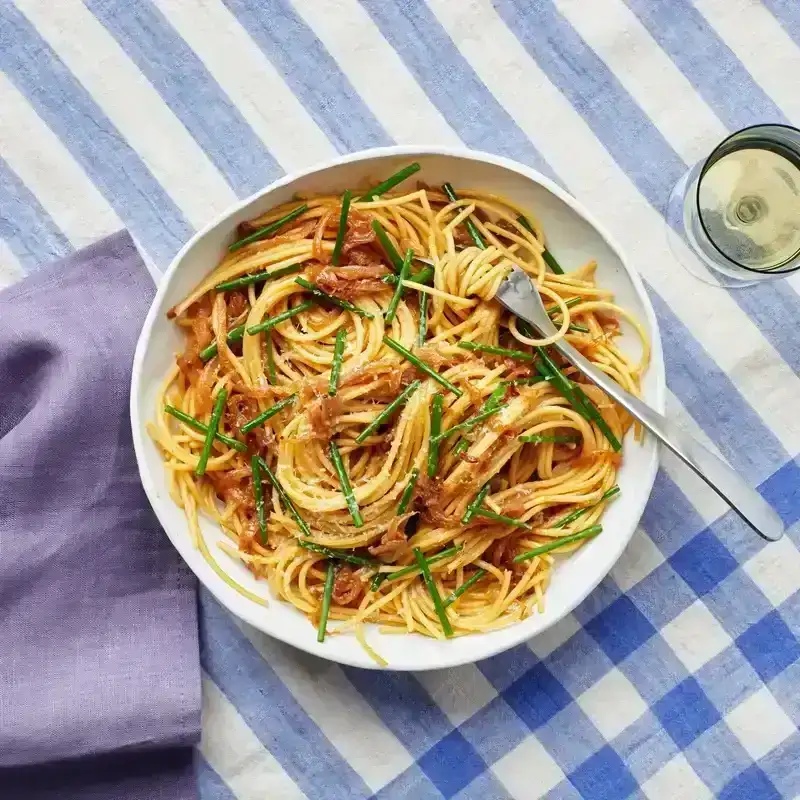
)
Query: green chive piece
[
  {"x": 213, "y": 425},
  {"x": 551, "y": 262},
  {"x": 422, "y": 330},
  {"x": 268, "y": 414},
  {"x": 538, "y": 438},
  {"x": 271, "y": 322},
  {"x": 202, "y": 428},
  {"x": 258, "y": 491},
  {"x": 387, "y": 412},
  {"x": 398, "y": 290},
  {"x": 467, "y": 424},
  {"x": 433, "y": 592},
  {"x": 531, "y": 381},
  {"x": 575, "y": 396},
  {"x": 395, "y": 261},
  {"x": 258, "y": 277},
  {"x": 575, "y": 328},
  {"x": 554, "y": 545},
  {"x": 413, "y": 568},
  {"x": 268, "y": 230},
  {"x": 422, "y": 366},
  {"x": 573, "y": 301},
  {"x": 468, "y": 223},
  {"x": 405, "y": 498},
  {"x": 344, "y": 482},
  {"x": 517, "y": 523},
  {"x": 337, "y": 248},
  {"x": 466, "y": 586},
  {"x": 423, "y": 276},
  {"x": 579, "y": 512},
  {"x": 234, "y": 335},
  {"x": 436, "y": 428},
  {"x": 461, "y": 447},
  {"x": 327, "y": 593},
  {"x": 285, "y": 499},
  {"x": 548, "y": 258},
  {"x": 473, "y": 507},
  {"x": 328, "y": 298},
  {"x": 338, "y": 356},
  {"x": 272, "y": 375},
  {"x": 390, "y": 182},
  {"x": 517, "y": 355},
  {"x": 338, "y": 555}
]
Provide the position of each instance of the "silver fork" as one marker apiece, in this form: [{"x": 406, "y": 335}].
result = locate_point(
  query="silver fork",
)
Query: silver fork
[{"x": 518, "y": 294}]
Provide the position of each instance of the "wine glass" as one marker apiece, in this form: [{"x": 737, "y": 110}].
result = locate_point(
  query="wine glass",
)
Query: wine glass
[{"x": 734, "y": 219}]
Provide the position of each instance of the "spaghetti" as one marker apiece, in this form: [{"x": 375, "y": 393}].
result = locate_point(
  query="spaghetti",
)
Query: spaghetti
[{"x": 394, "y": 447}]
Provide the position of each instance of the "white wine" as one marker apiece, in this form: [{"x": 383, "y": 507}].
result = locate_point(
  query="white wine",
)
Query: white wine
[{"x": 749, "y": 204}]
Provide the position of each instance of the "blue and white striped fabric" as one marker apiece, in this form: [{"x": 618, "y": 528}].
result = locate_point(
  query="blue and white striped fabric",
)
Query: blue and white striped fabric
[{"x": 680, "y": 676}]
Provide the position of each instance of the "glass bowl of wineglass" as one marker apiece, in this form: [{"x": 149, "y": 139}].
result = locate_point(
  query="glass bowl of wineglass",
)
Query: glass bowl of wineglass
[{"x": 734, "y": 219}]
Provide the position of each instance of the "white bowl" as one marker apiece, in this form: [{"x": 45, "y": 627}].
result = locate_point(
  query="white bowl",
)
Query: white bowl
[{"x": 573, "y": 236}]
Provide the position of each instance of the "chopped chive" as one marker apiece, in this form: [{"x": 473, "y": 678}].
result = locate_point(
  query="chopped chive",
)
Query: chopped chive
[
  {"x": 549, "y": 260},
  {"x": 422, "y": 366},
  {"x": 234, "y": 335},
  {"x": 554, "y": 545},
  {"x": 270, "y": 351},
  {"x": 327, "y": 593},
  {"x": 268, "y": 414},
  {"x": 461, "y": 447},
  {"x": 328, "y": 298},
  {"x": 517, "y": 523},
  {"x": 395, "y": 261},
  {"x": 422, "y": 329},
  {"x": 203, "y": 428},
  {"x": 411, "y": 569},
  {"x": 433, "y": 591},
  {"x": 467, "y": 424},
  {"x": 268, "y": 230},
  {"x": 246, "y": 280},
  {"x": 538, "y": 438},
  {"x": 573, "y": 301},
  {"x": 344, "y": 482},
  {"x": 423, "y": 276},
  {"x": 575, "y": 396},
  {"x": 473, "y": 507},
  {"x": 398, "y": 290},
  {"x": 576, "y": 328},
  {"x": 468, "y": 223},
  {"x": 271, "y": 322},
  {"x": 337, "y": 248},
  {"x": 390, "y": 182},
  {"x": 258, "y": 491},
  {"x": 336, "y": 367},
  {"x": 387, "y": 412},
  {"x": 530, "y": 381},
  {"x": 436, "y": 427},
  {"x": 579, "y": 512},
  {"x": 517, "y": 355},
  {"x": 213, "y": 425},
  {"x": 405, "y": 498},
  {"x": 285, "y": 499},
  {"x": 338, "y": 555},
  {"x": 468, "y": 584}
]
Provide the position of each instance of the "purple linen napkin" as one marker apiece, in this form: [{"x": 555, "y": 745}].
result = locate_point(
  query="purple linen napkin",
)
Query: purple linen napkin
[{"x": 99, "y": 664}]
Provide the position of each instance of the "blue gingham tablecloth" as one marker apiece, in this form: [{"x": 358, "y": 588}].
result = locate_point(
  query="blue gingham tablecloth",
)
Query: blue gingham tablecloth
[{"x": 680, "y": 676}]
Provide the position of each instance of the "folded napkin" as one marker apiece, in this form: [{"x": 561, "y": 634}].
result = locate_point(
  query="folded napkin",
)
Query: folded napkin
[{"x": 99, "y": 666}]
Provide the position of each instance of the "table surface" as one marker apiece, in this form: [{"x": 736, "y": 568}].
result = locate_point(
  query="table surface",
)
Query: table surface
[{"x": 680, "y": 676}]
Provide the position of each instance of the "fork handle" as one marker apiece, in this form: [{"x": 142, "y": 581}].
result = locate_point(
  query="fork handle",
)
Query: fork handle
[{"x": 742, "y": 498}]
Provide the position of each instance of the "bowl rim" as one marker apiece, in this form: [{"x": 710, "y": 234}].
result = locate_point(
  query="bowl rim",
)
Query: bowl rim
[{"x": 250, "y": 613}]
